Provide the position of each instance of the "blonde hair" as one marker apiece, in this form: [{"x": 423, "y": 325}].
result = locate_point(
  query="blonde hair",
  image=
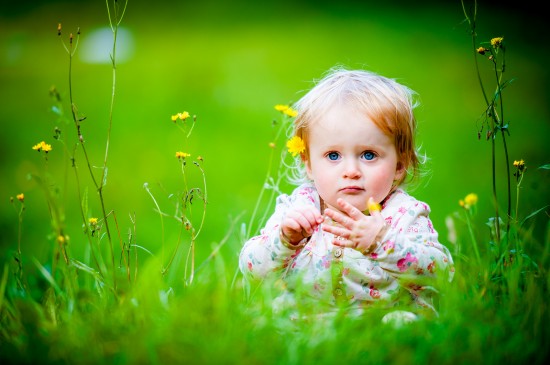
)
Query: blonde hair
[{"x": 386, "y": 102}]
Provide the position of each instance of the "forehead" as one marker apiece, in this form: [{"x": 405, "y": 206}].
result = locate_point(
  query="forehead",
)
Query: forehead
[{"x": 342, "y": 120}]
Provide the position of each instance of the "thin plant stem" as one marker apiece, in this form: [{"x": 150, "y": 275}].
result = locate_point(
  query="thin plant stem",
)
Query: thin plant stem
[
  {"x": 472, "y": 22},
  {"x": 146, "y": 187},
  {"x": 473, "y": 238}
]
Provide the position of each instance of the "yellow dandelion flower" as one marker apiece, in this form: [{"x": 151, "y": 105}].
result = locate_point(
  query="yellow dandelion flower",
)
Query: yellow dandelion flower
[
  {"x": 182, "y": 116},
  {"x": 471, "y": 199},
  {"x": 46, "y": 147},
  {"x": 42, "y": 146},
  {"x": 21, "y": 197},
  {"x": 519, "y": 164},
  {"x": 281, "y": 108},
  {"x": 295, "y": 145},
  {"x": 496, "y": 42},
  {"x": 180, "y": 154},
  {"x": 290, "y": 112},
  {"x": 92, "y": 221}
]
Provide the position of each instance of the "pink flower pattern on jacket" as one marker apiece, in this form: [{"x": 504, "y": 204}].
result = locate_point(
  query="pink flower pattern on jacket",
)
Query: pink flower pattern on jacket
[{"x": 409, "y": 255}]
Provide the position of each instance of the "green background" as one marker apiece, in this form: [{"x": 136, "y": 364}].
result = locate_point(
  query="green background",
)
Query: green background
[{"x": 229, "y": 63}]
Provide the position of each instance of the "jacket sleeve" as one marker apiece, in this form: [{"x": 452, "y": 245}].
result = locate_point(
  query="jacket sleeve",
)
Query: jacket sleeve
[{"x": 264, "y": 254}]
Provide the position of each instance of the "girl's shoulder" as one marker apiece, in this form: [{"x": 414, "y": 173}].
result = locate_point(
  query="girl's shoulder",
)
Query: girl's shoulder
[{"x": 403, "y": 202}]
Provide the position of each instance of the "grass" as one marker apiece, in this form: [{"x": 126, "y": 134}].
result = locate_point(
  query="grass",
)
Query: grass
[{"x": 85, "y": 297}]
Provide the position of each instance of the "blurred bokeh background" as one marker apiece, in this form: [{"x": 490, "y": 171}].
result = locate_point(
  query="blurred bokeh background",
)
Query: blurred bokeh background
[{"x": 229, "y": 63}]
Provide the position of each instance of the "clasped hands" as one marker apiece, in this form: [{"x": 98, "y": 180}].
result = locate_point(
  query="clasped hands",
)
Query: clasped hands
[{"x": 353, "y": 228}]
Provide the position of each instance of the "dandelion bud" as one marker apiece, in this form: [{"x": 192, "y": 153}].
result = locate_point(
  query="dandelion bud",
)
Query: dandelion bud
[
  {"x": 271, "y": 145},
  {"x": 59, "y": 29},
  {"x": 11, "y": 199},
  {"x": 71, "y": 38},
  {"x": 78, "y": 31},
  {"x": 21, "y": 197},
  {"x": 491, "y": 57},
  {"x": 81, "y": 138}
]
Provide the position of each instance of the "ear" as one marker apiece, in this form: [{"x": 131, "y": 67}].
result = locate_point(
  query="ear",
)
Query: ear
[{"x": 400, "y": 171}]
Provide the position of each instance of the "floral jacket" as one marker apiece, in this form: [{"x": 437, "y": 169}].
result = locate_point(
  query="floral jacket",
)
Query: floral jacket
[{"x": 401, "y": 269}]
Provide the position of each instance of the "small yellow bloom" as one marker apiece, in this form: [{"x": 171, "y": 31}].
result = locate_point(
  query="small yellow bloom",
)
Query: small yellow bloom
[
  {"x": 180, "y": 154},
  {"x": 295, "y": 145},
  {"x": 287, "y": 110},
  {"x": 496, "y": 42},
  {"x": 61, "y": 239},
  {"x": 21, "y": 197},
  {"x": 469, "y": 201},
  {"x": 281, "y": 108},
  {"x": 182, "y": 116},
  {"x": 374, "y": 206},
  {"x": 42, "y": 146},
  {"x": 481, "y": 50},
  {"x": 519, "y": 164},
  {"x": 92, "y": 221},
  {"x": 290, "y": 112},
  {"x": 200, "y": 158},
  {"x": 46, "y": 147}
]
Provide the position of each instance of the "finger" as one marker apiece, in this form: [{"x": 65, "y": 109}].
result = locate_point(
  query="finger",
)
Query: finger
[
  {"x": 342, "y": 242},
  {"x": 349, "y": 209},
  {"x": 316, "y": 214},
  {"x": 313, "y": 216},
  {"x": 306, "y": 225},
  {"x": 291, "y": 225},
  {"x": 339, "y": 217},
  {"x": 336, "y": 231}
]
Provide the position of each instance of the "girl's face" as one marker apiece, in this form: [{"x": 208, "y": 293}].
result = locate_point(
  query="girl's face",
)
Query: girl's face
[{"x": 351, "y": 158}]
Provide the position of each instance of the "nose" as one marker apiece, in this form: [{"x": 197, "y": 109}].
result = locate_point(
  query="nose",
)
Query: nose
[{"x": 351, "y": 169}]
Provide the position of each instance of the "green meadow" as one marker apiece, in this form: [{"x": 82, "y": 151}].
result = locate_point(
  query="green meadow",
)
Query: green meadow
[{"x": 115, "y": 250}]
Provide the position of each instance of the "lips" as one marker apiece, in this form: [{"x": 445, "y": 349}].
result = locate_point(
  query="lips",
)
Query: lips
[{"x": 351, "y": 190}]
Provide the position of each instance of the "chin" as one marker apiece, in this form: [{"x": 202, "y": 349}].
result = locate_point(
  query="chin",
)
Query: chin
[{"x": 357, "y": 202}]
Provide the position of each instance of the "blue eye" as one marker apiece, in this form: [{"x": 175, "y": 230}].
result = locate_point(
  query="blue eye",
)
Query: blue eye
[
  {"x": 368, "y": 155},
  {"x": 333, "y": 156}
]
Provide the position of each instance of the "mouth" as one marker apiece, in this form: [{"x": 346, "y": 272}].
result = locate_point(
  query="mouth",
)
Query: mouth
[{"x": 351, "y": 190}]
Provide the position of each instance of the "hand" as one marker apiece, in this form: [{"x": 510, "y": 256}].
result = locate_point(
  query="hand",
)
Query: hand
[
  {"x": 357, "y": 230},
  {"x": 300, "y": 223}
]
